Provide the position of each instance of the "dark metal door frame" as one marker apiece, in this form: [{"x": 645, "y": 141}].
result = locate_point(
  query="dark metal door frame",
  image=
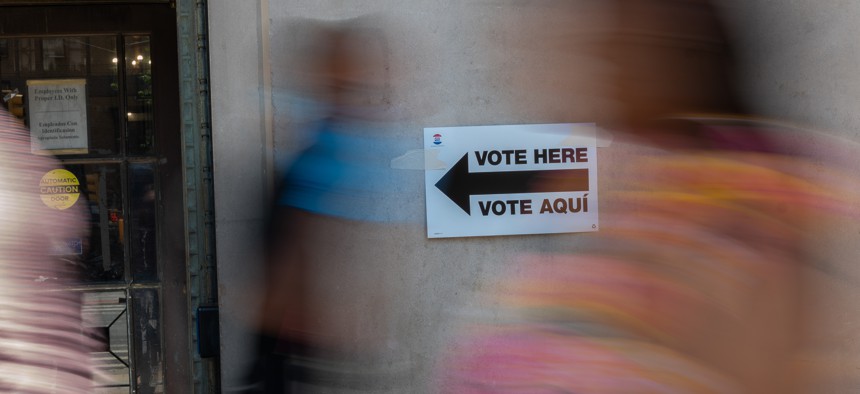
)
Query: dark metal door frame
[{"x": 186, "y": 249}]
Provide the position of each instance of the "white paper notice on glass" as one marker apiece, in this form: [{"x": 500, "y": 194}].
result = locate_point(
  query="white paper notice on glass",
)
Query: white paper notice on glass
[
  {"x": 57, "y": 110},
  {"x": 510, "y": 179}
]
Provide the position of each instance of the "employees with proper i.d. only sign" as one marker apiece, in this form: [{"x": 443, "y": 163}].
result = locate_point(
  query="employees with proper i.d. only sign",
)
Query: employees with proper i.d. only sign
[{"x": 510, "y": 179}]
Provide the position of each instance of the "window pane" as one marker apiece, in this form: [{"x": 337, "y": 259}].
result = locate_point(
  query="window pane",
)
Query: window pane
[
  {"x": 105, "y": 318},
  {"x": 89, "y": 57},
  {"x": 26, "y": 57},
  {"x": 139, "y": 95},
  {"x": 142, "y": 230},
  {"x": 7, "y": 64},
  {"x": 149, "y": 375},
  {"x": 103, "y": 257},
  {"x": 67, "y": 56},
  {"x": 103, "y": 95}
]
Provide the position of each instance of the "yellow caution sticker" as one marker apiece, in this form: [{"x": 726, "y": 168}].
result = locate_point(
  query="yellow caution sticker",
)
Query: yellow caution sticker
[{"x": 60, "y": 189}]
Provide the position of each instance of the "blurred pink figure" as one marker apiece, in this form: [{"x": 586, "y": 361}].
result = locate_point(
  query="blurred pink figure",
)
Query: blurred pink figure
[
  {"x": 42, "y": 348},
  {"x": 692, "y": 286},
  {"x": 694, "y": 282}
]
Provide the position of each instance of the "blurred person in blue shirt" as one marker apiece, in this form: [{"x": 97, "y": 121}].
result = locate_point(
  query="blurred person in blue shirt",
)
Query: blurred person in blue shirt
[{"x": 323, "y": 318}]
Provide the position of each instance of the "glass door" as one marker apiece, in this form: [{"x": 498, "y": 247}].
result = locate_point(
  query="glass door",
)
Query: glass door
[{"x": 97, "y": 87}]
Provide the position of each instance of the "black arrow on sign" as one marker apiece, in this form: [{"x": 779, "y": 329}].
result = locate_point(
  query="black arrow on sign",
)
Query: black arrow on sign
[{"x": 459, "y": 184}]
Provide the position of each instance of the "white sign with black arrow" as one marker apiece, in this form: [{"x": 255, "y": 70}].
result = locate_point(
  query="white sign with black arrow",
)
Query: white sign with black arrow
[{"x": 511, "y": 179}]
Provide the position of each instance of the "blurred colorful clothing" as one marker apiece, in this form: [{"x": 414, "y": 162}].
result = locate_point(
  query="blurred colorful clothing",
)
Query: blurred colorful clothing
[
  {"x": 42, "y": 349},
  {"x": 691, "y": 286}
]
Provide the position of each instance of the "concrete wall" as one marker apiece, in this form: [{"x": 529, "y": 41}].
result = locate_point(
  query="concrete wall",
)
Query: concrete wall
[
  {"x": 799, "y": 60},
  {"x": 447, "y": 63},
  {"x": 474, "y": 63},
  {"x": 241, "y": 135},
  {"x": 799, "y": 65}
]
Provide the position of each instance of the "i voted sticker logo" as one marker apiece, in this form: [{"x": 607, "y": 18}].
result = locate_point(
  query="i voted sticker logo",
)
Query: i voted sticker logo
[{"x": 437, "y": 139}]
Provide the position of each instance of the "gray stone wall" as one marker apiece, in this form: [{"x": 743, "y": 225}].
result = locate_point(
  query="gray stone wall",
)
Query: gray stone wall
[{"x": 459, "y": 63}]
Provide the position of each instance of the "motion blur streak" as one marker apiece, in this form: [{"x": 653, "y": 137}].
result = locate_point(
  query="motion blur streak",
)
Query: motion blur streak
[
  {"x": 326, "y": 322},
  {"x": 42, "y": 348},
  {"x": 696, "y": 281},
  {"x": 693, "y": 285}
]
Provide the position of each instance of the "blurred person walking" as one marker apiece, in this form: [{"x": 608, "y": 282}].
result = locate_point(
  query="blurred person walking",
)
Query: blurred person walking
[
  {"x": 42, "y": 346},
  {"x": 694, "y": 283},
  {"x": 325, "y": 322}
]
